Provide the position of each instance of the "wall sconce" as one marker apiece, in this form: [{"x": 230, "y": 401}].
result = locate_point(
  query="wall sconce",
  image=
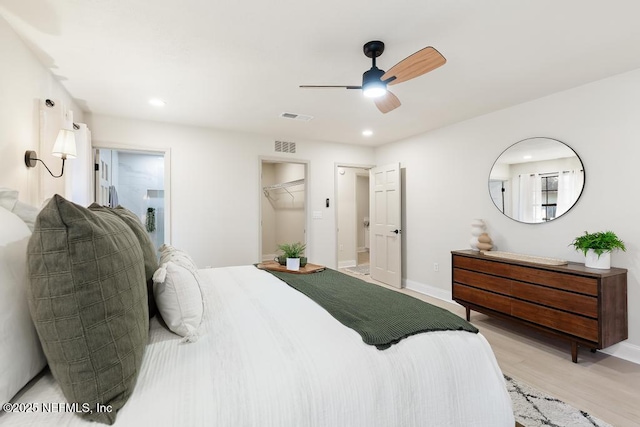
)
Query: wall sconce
[{"x": 64, "y": 147}]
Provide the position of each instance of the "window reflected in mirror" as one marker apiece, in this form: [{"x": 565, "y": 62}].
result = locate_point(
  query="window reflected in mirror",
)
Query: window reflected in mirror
[{"x": 536, "y": 180}]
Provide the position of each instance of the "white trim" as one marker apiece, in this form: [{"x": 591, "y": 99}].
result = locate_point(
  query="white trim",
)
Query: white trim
[
  {"x": 623, "y": 350},
  {"x": 429, "y": 290},
  {"x": 348, "y": 263}
]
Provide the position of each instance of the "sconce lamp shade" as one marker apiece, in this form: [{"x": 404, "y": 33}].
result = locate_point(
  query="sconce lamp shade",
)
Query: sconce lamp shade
[{"x": 65, "y": 145}]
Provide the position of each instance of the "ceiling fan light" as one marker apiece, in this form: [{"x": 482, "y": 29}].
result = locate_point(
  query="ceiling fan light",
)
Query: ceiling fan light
[
  {"x": 372, "y": 86},
  {"x": 374, "y": 90}
]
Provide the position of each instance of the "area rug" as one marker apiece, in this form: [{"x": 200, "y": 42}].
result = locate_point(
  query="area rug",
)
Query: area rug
[
  {"x": 533, "y": 408},
  {"x": 360, "y": 269}
]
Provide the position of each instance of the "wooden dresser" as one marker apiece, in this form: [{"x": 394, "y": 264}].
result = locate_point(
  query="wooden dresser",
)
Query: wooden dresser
[{"x": 585, "y": 306}]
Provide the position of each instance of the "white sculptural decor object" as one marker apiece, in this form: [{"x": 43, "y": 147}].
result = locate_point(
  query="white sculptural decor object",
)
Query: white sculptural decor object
[{"x": 477, "y": 228}]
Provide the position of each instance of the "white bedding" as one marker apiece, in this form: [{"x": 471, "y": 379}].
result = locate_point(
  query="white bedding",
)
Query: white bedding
[{"x": 269, "y": 356}]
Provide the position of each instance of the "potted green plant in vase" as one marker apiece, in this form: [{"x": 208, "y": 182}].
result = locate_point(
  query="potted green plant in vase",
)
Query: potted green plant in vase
[
  {"x": 597, "y": 248},
  {"x": 292, "y": 255}
]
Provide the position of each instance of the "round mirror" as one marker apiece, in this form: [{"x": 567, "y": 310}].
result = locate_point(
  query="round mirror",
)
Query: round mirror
[{"x": 536, "y": 180}]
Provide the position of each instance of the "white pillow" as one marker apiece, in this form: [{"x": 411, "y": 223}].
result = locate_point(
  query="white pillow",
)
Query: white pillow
[
  {"x": 21, "y": 356},
  {"x": 180, "y": 257},
  {"x": 8, "y": 198},
  {"x": 179, "y": 299},
  {"x": 27, "y": 213}
]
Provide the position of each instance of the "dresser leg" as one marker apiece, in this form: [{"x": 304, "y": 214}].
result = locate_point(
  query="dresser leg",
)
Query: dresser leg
[
  {"x": 468, "y": 310},
  {"x": 574, "y": 352}
]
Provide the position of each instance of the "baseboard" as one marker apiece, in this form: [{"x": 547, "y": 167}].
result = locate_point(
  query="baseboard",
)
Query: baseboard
[
  {"x": 623, "y": 350},
  {"x": 429, "y": 290},
  {"x": 348, "y": 263}
]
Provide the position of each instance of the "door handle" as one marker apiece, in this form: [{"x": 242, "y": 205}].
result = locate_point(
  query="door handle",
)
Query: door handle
[{"x": 397, "y": 231}]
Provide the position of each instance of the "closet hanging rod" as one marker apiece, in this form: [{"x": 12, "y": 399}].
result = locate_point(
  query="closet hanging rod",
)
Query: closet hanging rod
[{"x": 284, "y": 185}]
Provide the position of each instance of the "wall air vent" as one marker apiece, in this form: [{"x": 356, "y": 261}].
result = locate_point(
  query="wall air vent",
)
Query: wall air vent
[
  {"x": 285, "y": 147},
  {"x": 294, "y": 116}
]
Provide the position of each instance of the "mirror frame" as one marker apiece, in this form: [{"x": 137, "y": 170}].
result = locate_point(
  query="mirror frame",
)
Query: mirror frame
[{"x": 584, "y": 179}]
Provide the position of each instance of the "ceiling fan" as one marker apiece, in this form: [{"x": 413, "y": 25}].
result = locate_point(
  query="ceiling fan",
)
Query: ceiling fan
[{"x": 375, "y": 80}]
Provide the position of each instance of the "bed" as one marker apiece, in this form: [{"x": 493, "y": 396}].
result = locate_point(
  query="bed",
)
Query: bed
[{"x": 267, "y": 355}]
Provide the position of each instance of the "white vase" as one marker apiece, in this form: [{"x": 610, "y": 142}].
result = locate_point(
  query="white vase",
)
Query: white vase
[
  {"x": 592, "y": 260},
  {"x": 477, "y": 228},
  {"x": 293, "y": 264}
]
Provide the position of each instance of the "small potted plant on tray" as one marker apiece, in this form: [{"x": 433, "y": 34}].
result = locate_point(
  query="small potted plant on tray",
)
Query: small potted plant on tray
[
  {"x": 597, "y": 248},
  {"x": 292, "y": 255}
]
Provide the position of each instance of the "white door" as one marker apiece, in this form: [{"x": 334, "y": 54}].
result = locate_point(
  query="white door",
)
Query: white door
[{"x": 385, "y": 219}]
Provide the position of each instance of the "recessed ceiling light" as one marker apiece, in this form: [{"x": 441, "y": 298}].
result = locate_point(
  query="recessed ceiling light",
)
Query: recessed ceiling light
[
  {"x": 157, "y": 102},
  {"x": 527, "y": 156},
  {"x": 367, "y": 132}
]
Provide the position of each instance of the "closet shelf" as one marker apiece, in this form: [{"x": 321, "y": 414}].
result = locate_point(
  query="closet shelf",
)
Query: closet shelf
[{"x": 283, "y": 185}]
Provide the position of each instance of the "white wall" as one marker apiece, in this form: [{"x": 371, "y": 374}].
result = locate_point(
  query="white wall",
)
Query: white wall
[
  {"x": 447, "y": 172},
  {"x": 215, "y": 187},
  {"x": 23, "y": 83}
]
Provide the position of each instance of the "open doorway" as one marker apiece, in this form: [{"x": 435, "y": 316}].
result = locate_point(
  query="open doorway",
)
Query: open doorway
[
  {"x": 134, "y": 180},
  {"x": 283, "y": 205},
  {"x": 352, "y": 211}
]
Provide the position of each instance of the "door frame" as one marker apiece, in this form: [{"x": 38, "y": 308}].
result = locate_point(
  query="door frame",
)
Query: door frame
[
  {"x": 166, "y": 152},
  {"x": 307, "y": 174},
  {"x": 336, "y": 167}
]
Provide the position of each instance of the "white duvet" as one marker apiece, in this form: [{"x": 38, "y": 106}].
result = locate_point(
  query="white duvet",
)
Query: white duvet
[{"x": 269, "y": 356}]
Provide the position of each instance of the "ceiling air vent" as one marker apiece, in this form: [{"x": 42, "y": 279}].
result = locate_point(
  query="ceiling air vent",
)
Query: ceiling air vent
[
  {"x": 285, "y": 147},
  {"x": 294, "y": 116}
]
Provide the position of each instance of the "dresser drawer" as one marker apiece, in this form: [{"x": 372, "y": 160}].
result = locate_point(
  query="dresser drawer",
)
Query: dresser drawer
[
  {"x": 562, "y": 300},
  {"x": 482, "y": 281},
  {"x": 569, "y": 282},
  {"x": 572, "y": 324},
  {"x": 485, "y": 299}
]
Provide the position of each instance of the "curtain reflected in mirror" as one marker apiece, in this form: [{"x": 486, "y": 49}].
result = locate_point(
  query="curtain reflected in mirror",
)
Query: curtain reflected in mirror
[{"x": 536, "y": 180}]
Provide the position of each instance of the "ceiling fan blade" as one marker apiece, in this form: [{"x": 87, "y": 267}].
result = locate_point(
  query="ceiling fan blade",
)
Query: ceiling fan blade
[
  {"x": 414, "y": 65},
  {"x": 329, "y": 87},
  {"x": 387, "y": 102}
]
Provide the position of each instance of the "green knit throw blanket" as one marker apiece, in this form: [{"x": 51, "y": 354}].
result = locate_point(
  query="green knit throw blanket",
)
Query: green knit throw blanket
[{"x": 381, "y": 316}]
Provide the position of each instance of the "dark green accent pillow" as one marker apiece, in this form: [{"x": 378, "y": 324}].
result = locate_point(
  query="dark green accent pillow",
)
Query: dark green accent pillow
[
  {"x": 148, "y": 250},
  {"x": 88, "y": 300}
]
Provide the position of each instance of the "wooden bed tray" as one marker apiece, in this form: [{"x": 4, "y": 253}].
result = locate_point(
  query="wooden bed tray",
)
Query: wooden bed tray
[{"x": 275, "y": 266}]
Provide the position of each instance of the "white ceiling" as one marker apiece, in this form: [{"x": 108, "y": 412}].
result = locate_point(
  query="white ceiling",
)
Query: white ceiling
[{"x": 237, "y": 65}]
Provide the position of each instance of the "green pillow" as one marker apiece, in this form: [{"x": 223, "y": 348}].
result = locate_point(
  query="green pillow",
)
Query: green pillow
[
  {"x": 148, "y": 250},
  {"x": 88, "y": 300}
]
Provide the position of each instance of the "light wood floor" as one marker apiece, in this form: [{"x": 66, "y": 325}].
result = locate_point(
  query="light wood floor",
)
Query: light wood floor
[{"x": 604, "y": 386}]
